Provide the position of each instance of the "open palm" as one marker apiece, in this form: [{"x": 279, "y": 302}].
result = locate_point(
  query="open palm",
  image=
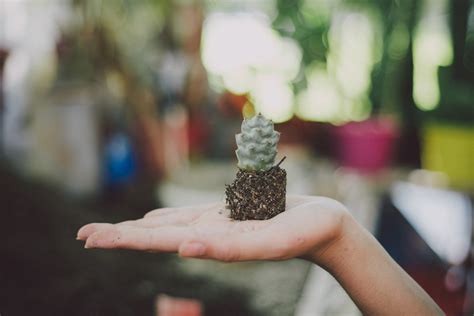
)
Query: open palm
[{"x": 309, "y": 224}]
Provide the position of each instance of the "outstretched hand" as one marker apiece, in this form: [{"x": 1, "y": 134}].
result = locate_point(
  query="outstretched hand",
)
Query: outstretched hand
[
  {"x": 315, "y": 228},
  {"x": 308, "y": 226}
]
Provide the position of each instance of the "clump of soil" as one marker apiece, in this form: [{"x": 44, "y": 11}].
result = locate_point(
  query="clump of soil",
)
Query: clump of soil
[{"x": 257, "y": 195}]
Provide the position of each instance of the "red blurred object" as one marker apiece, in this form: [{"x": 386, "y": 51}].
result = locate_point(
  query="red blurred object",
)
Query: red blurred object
[
  {"x": 3, "y": 58},
  {"x": 232, "y": 104},
  {"x": 172, "y": 306},
  {"x": 297, "y": 131},
  {"x": 366, "y": 146},
  {"x": 432, "y": 280},
  {"x": 198, "y": 133}
]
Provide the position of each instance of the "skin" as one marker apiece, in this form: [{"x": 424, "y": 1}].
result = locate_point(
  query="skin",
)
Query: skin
[{"x": 317, "y": 229}]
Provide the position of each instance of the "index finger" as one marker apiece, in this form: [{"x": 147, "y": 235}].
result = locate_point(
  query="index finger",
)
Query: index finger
[
  {"x": 162, "y": 239},
  {"x": 193, "y": 208}
]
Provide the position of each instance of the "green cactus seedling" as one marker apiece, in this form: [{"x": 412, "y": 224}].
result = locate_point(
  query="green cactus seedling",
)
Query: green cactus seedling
[
  {"x": 259, "y": 189},
  {"x": 257, "y": 144}
]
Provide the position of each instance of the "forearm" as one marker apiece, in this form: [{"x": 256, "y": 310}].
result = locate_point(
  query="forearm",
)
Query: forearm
[{"x": 374, "y": 281}]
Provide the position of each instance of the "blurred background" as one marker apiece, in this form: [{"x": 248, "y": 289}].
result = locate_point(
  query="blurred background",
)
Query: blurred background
[{"x": 111, "y": 108}]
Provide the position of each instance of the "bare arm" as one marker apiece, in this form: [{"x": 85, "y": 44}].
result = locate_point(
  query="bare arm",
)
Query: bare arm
[
  {"x": 374, "y": 281},
  {"x": 314, "y": 228}
]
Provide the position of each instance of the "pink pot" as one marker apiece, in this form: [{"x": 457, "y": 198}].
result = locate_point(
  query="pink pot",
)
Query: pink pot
[{"x": 366, "y": 146}]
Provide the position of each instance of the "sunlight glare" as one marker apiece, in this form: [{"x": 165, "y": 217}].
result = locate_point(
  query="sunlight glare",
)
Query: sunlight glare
[
  {"x": 250, "y": 57},
  {"x": 321, "y": 100},
  {"x": 273, "y": 97}
]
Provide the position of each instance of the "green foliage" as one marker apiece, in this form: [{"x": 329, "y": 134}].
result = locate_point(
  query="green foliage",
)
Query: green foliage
[
  {"x": 308, "y": 26},
  {"x": 457, "y": 100}
]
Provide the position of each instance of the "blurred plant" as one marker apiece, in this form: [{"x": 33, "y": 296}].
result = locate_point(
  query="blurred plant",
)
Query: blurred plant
[
  {"x": 111, "y": 48},
  {"x": 341, "y": 45},
  {"x": 457, "y": 80},
  {"x": 402, "y": 44},
  {"x": 308, "y": 23},
  {"x": 112, "y": 35},
  {"x": 84, "y": 54}
]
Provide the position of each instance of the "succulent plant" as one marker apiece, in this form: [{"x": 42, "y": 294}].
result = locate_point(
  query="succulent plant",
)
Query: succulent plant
[{"x": 257, "y": 144}]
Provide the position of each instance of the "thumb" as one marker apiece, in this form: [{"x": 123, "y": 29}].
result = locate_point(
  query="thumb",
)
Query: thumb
[{"x": 237, "y": 247}]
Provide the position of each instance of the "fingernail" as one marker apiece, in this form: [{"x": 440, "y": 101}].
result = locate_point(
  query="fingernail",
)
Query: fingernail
[
  {"x": 193, "y": 249},
  {"x": 80, "y": 232}
]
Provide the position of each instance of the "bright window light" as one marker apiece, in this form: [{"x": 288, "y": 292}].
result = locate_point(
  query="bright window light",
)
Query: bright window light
[{"x": 442, "y": 218}]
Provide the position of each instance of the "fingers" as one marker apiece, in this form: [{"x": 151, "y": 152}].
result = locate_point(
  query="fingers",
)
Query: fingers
[
  {"x": 161, "y": 211},
  {"x": 156, "y": 218},
  {"x": 170, "y": 210},
  {"x": 151, "y": 222},
  {"x": 177, "y": 218},
  {"x": 258, "y": 245},
  {"x": 163, "y": 239},
  {"x": 87, "y": 230}
]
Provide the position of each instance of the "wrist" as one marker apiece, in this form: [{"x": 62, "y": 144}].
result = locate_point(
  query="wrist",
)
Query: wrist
[
  {"x": 334, "y": 253},
  {"x": 373, "y": 280}
]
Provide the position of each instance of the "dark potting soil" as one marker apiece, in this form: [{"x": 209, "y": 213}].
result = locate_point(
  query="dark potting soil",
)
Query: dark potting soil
[{"x": 257, "y": 195}]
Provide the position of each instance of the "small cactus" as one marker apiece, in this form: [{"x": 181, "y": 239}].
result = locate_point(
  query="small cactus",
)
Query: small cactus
[
  {"x": 259, "y": 189},
  {"x": 257, "y": 144}
]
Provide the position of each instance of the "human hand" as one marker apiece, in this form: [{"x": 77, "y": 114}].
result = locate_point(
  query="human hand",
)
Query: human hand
[
  {"x": 315, "y": 228},
  {"x": 306, "y": 229}
]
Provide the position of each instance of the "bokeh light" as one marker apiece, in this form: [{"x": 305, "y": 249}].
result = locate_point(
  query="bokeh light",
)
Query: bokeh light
[
  {"x": 338, "y": 90},
  {"x": 245, "y": 55},
  {"x": 431, "y": 48},
  {"x": 321, "y": 100},
  {"x": 273, "y": 97}
]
